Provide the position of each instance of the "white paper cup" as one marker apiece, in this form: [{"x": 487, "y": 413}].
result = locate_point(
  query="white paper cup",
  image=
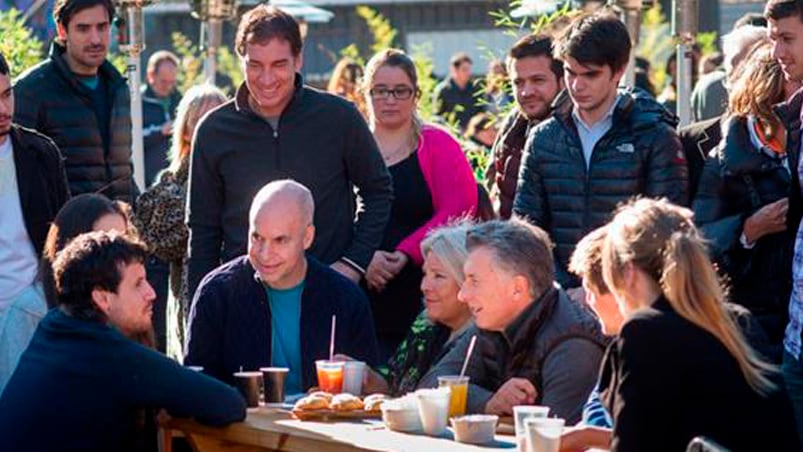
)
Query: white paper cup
[
  {"x": 433, "y": 407},
  {"x": 475, "y": 428},
  {"x": 522, "y": 412},
  {"x": 353, "y": 373},
  {"x": 543, "y": 434}
]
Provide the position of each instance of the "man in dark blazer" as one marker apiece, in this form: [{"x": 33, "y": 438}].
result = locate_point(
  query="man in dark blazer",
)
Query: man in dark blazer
[{"x": 274, "y": 305}]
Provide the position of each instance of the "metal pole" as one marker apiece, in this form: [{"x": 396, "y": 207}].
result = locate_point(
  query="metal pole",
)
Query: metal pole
[
  {"x": 631, "y": 17},
  {"x": 684, "y": 27},
  {"x": 213, "y": 29},
  {"x": 133, "y": 48},
  {"x": 633, "y": 23}
]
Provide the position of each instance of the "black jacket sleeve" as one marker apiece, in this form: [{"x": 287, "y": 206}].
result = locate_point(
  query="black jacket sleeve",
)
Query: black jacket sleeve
[
  {"x": 720, "y": 222},
  {"x": 667, "y": 171},
  {"x": 157, "y": 381},
  {"x": 205, "y": 335},
  {"x": 637, "y": 409},
  {"x": 531, "y": 201},
  {"x": 204, "y": 211},
  {"x": 368, "y": 173}
]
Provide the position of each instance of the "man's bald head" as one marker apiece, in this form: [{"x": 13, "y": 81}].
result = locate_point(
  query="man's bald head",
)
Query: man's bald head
[
  {"x": 284, "y": 196},
  {"x": 280, "y": 231}
]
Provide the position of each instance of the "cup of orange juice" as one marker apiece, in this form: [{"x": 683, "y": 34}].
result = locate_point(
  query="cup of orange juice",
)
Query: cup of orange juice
[
  {"x": 459, "y": 386},
  {"x": 330, "y": 375}
]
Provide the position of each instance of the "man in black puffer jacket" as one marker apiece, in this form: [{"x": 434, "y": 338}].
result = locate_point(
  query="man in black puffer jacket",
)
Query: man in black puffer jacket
[
  {"x": 79, "y": 100},
  {"x": 600, "y": 149}
]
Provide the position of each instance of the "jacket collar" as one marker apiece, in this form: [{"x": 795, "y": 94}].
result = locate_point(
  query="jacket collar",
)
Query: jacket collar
[
  {"x": 241, "y": 97},
  {"x": 150, "y": 96},
  {"x": 789, "y": 111},
  {"x": 789, "y": 114},
  {"x": 705, "y": 127},
  {"x": 314, "y": 302},
  {"x": 736, "y": 151},
  {"x": 525, "y": 327},
  {"x": 634, "y": 108}
]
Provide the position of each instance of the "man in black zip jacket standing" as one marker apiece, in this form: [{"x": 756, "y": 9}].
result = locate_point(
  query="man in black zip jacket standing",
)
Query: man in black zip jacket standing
[
  {"x": 277, "y": 128},
  {"x": 602, "y": 148},
  {"x": 78, "y": 99}
]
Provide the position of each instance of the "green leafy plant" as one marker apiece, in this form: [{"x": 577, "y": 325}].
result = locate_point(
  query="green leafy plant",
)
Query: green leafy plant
[
  {"x": 192, "y": 62},
  {"x": 19, "y": 46},
  {"x": 707, "y": 42},
  {"x": 383, "y": 32},
  {"x": 656, "y": 43}
]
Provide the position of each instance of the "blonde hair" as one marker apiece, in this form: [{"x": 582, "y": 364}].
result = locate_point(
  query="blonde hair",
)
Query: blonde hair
[
  {"x": 586, "y": 260},
  {"x": 345, "y": 82},
  {"x": 398, "y": 59},
  {"x": 756, "y": 86},
  {"x": 660, "y": 239},
  {"x": 195, "y": 103},
  {"x": 449, "y": 244}
]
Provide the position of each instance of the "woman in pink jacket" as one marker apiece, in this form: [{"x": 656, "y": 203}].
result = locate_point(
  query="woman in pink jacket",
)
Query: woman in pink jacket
[{"x": 432, "y": 184}]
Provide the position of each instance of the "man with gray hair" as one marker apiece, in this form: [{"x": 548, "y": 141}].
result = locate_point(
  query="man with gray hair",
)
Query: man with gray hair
[
  {"x": 274, "y": 306},
  {"x": 534, "y": 345}
]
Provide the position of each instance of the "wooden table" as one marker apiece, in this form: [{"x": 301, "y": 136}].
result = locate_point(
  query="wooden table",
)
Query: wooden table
[{"x": 273, "y": 429}]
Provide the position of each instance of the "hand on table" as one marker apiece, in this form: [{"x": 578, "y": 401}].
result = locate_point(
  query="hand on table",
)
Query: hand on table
[{"x": 516, "y": 391}]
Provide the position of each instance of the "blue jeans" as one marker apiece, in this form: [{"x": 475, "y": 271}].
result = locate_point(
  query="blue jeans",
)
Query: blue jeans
[{"x": 792, "y": 370}]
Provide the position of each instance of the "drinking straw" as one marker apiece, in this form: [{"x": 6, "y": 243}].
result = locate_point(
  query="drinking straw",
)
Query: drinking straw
[
  {"x": 332, "y": 340},
  {"x": 468, "y": 354}
]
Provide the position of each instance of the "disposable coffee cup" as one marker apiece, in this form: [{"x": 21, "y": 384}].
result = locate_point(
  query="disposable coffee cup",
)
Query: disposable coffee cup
[
  {"x": 543, "y": 434},
  {"x": 249, "y": 383},
  {"x": 353, "y": 373},
  {"x": 520, "y": 414},
  {"x": 274, "y": 379},
  {"x": 433, "y": 407}
]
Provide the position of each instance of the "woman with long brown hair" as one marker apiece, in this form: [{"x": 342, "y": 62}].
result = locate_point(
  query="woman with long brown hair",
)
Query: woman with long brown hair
[
  {"x": 680, "y": 367},
  {"x": 742, "y": 197}
]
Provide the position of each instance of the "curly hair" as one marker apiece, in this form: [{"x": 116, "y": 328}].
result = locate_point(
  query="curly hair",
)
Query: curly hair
[{"x": 94, "y": 260}]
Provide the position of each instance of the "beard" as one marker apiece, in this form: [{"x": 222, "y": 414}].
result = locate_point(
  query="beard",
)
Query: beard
[{"x": 146, "y": 337}]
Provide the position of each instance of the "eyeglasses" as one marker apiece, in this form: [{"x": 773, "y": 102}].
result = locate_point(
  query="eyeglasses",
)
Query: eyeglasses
[{"x": 398, "y": 93}]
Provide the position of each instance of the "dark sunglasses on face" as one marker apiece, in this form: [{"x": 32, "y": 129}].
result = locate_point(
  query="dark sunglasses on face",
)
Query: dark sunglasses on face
[{"x": 399, "y": 93}]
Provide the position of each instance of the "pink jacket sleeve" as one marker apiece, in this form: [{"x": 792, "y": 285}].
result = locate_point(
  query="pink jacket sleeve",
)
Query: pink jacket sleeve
[{"x": 451, "y": 184}]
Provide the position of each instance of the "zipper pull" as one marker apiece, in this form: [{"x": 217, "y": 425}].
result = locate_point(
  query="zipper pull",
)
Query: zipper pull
[{"x": 275, "y": 134}]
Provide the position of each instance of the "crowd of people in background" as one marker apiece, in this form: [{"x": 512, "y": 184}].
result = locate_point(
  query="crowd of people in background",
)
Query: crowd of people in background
[{"x": 641, "y": 281}]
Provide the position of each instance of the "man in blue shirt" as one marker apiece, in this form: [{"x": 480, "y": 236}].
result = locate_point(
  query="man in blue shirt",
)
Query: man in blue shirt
[{"x": 273, "y": 307}]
